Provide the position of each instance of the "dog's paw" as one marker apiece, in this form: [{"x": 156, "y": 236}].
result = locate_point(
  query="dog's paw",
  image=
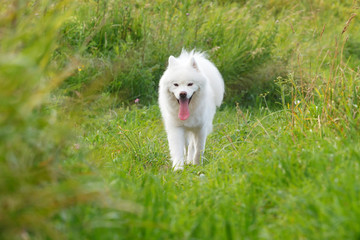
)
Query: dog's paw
[
  {"x": 178, "y": 168},
  {"x": 188, "y": 162}
]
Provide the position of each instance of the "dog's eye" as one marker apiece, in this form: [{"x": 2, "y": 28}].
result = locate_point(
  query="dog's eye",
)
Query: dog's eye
[
  {"x": 176, "y": 85},
  {"x": 190, "y": 84}
]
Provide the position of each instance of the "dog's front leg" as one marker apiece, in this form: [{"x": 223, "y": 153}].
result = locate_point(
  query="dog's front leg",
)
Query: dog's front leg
[
  {"x": 190, "y": 142},
  {"x": 200, "y": 140},
  {"x": 176, "y": 138}
]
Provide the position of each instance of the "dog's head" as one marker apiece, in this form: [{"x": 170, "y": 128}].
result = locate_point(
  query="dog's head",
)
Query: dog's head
[{"x": 185, "y": 81}]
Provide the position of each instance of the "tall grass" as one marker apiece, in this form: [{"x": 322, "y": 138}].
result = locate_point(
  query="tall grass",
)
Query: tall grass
[
  {"x": 125, "y": 45},
  {"x": 129, "y": 44},
  {"x": 325, "y": 95}
]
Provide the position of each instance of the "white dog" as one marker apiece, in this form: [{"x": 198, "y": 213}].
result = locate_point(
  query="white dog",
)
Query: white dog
[{"x": 189, "y": 91}]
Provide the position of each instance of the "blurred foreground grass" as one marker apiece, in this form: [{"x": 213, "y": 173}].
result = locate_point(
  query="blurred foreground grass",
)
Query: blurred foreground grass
[{"x": 34, "y": 188}]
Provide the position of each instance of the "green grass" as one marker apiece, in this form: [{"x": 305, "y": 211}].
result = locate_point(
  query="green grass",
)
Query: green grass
[
  {"x": 80, "y": 160},
  {"x": 261, "y": 180}
]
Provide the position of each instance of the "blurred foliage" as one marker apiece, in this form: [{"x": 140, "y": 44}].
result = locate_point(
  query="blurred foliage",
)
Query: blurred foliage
[{"x": 34, "y": 188}]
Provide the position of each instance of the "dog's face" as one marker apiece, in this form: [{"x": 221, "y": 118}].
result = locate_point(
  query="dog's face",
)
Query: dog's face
[
  {"x": 186, "y": 79},
  {"x": 183, "y": 89},
  {"x": 185, "y": 82}
]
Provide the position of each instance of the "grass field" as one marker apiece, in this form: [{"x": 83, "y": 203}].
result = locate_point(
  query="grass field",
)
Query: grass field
[{"x": 80, "y": 159}]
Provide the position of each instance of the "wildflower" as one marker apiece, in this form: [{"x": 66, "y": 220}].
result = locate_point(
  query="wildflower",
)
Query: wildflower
[
  {"x": 137, "y": 100},
  {"x": 80, "y": 68},
  {"x": 187, "y": 14}
]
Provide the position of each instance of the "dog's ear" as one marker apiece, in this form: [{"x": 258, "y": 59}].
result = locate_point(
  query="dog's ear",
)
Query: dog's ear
[
  {"x": 172, "y": 61},
  {"x": 194, "y": 64}
]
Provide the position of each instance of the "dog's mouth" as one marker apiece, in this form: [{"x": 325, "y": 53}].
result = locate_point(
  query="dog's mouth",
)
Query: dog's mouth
[
  {"x": 185, "y": 99},
  {"x": 184, "y": 107}
]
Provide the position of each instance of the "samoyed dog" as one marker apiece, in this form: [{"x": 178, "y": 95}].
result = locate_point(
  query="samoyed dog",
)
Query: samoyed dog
[{"x": 189, "y": 91}]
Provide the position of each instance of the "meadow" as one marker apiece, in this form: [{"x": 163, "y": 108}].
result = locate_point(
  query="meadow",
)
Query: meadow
[{"x": 83, "y": 151}]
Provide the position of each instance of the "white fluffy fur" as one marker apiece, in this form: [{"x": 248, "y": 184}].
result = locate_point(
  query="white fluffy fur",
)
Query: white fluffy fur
[{"x": 200, "y": 80}]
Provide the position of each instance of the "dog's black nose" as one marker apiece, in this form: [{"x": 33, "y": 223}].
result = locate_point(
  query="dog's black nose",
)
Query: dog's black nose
[{"x": 183, "y": 95}]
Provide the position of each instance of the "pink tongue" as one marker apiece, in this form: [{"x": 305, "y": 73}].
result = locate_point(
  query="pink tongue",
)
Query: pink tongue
[{"x": 184, "y": 109}]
